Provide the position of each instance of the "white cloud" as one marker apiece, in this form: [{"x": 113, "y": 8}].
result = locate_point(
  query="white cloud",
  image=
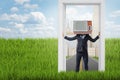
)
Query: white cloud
[
  {"x": 38, "y": 16},
  {"x": 71, "y": 11},
  {"x": 30, "y": 6},
  {"x": 4, "y": 16},
  {"x": 23, "y": 31},
  {"x": 41, "y": 30},
  {"x": 47, "y": 28},
  {"x": 115, "y": 13},
  {"x": 21, "y": 1},
  {"x": 109, "y": 22},
  {"x": 74, "y": 10},
  {"x": 32, "y": 17},
  {"x": 34, "y": 24},
  {"x": 15, "y": 17},
  {"x": 18, "y": 25},
  {"x": 112, "y": 29},
  {"x": 5, "y": 29},
  {"x": 21, "y": 18},
  {"x": 79, "y": 13},
  {"x": 14, "y": 9},
  {"x": 86, "y": 16}
]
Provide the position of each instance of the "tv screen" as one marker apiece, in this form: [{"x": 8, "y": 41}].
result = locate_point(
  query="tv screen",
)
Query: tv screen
[{"x": 82, "y": 26}]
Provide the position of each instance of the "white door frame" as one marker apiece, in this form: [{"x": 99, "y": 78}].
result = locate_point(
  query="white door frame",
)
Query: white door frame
[{"x": 62, "y": 16}]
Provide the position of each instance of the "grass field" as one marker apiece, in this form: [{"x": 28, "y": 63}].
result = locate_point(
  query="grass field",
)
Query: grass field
[{"x": 36, "y": 59}]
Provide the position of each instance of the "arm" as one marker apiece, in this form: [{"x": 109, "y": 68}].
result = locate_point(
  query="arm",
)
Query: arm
[
  {"x": 93, "y": 40},
  {"x": 70, "y": 38}
]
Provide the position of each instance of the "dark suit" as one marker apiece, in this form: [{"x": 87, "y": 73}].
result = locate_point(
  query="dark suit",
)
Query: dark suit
[{"x": 81, "y": 48}]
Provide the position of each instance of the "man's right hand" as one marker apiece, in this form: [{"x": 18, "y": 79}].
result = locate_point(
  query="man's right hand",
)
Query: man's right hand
[
  {"x": 99, "y": 34},
  {"x": 63, "y": 34}
]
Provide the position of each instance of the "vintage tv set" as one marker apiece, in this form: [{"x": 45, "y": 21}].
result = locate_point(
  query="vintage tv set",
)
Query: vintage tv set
[{"x": 82, "y": 27}]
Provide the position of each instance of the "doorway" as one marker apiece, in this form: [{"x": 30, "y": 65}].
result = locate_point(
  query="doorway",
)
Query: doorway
[
  {"x": 81, "y": 13},
  {"x": 62, "y": 49}
]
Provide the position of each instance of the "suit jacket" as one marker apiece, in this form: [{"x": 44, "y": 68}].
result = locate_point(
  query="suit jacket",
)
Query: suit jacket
[{"x": 81, "y": 41}]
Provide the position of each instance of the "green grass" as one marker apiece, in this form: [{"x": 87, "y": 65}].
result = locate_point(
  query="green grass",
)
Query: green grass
[
  {"x": 95, "y": 57},
  {"x": 67, "y": 57},
  {"x": 34, "y": 59}
]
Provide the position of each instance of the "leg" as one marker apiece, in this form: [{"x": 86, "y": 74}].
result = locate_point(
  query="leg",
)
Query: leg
[
  {"x": 85, "y": 59},
  {"x": 78, "y": 58}
]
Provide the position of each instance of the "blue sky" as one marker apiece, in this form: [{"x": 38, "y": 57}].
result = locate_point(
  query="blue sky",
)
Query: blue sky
[
  {"x": 112, "y": 18},
  {"x": 28, "y": 18},
  {"x": 39, "y": 18}
]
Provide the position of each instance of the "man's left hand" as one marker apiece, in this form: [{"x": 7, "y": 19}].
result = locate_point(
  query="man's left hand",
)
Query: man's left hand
[{"x": 99, "y": 34}]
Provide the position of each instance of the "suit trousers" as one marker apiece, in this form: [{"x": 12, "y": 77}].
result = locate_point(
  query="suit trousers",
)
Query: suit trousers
[{"x": 79, "y": 55}]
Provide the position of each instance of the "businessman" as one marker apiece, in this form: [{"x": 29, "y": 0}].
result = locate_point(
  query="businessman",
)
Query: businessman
[{"x": 82, "y": 48}]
